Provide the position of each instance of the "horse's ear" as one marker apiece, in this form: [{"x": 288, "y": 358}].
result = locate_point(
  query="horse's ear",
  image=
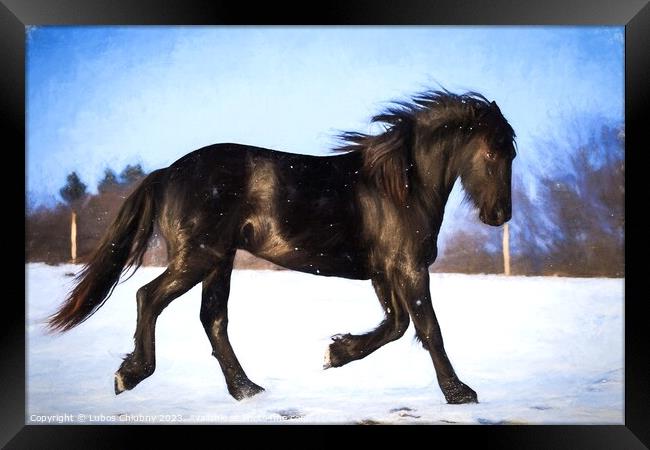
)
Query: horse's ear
[{"x": 494, "y": 106}]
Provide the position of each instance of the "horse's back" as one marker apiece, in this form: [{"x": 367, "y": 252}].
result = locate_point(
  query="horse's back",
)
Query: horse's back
[{"x": 298, "y": 211}]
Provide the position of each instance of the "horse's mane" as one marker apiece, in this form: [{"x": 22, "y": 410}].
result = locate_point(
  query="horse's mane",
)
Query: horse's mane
[{"x": 387, "y": 157}]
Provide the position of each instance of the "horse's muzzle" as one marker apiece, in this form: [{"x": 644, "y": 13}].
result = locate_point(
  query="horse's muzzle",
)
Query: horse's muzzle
[{"x": 496, "y": 218}]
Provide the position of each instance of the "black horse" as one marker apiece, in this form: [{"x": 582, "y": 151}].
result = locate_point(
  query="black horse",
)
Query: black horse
[{"x": 372, "y": 211}]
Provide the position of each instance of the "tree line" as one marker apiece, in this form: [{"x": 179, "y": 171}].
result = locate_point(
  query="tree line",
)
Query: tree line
[
  {"x": 70, "y": 231},
  {"x": 568, "y": 222}
]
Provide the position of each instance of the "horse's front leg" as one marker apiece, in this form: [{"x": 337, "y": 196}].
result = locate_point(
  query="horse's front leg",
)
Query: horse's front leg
[
  {"x": 350, "y": 347},
  {"x": 412, "y": 288}
]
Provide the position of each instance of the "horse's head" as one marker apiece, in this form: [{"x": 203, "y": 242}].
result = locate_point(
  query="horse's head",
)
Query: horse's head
[
  {"x": 486, "y": 167},
  {"x": 436, "y": 138}
]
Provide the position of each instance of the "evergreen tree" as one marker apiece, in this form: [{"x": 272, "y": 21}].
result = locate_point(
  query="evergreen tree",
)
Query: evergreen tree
[
  {"x": 132, "y": 174},
  {"x": 73, "y": 191},
  {"x": 109, "y": 182}
]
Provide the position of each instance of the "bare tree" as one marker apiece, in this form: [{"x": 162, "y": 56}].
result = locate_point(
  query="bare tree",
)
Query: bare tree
[{"x": 586, "y": 207}]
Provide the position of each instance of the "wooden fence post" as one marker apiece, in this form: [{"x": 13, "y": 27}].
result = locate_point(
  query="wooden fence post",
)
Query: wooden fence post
[{"x": 506, "y": 249}]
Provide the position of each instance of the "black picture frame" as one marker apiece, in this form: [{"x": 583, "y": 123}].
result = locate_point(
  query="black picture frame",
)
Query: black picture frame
[{"x": 633, "y": 14}]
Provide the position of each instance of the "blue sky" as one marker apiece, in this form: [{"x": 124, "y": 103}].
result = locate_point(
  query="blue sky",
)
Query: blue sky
[{"x": 102, "y": 97}]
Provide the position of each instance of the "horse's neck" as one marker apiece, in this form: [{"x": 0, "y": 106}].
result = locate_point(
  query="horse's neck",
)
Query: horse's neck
[{"x": 437, "y": 176}]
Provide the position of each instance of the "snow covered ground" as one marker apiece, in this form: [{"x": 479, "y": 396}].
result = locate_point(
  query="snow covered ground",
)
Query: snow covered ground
[{"x": 536, "y": 350}]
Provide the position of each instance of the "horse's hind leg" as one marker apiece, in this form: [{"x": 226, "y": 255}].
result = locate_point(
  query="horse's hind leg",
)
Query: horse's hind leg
[
  {"x": 214, "y": 317},
  {"x": 181, "y": 275},
  {"x": 348, "y": 347}
]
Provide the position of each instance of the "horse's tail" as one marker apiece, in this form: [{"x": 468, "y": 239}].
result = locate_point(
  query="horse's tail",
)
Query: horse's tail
[{"x": 122, "y": 247}]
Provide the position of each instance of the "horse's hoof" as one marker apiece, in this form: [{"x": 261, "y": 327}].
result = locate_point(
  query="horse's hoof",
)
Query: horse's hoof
[
  {"x": 119, "y": 384},
  {"x": 338, "y": 352},
  {"x": 463, "y": 399},
  {"x": 456, "y": 393},
  {"x": 130, "y": 374},
  {"x": 124, "y": 382},
  {"x": 328, "y": 359},
  {"x": 245, "y": 389}
]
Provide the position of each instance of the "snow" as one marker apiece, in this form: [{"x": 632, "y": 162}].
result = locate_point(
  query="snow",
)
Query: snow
[{"x": 537, "y": 350}]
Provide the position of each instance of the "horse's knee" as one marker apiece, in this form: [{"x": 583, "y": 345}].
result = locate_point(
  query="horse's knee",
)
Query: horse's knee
[
  {"x": 207, "y": 316},
  {"x": 429, "y": 339},
  {"x": 213, "y": 319}
]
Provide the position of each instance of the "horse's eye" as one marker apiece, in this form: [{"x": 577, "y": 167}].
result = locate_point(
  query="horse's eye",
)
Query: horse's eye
[{"x": 491, "y": 155}]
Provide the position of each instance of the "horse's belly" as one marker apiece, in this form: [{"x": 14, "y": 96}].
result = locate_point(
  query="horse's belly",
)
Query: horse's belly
[
  {"x": 319, "y": 263},
  {"x": 263, "y": 238}
]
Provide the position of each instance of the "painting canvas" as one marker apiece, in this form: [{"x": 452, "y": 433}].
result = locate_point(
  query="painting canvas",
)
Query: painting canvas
[{"x": 531, "y": 310}]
